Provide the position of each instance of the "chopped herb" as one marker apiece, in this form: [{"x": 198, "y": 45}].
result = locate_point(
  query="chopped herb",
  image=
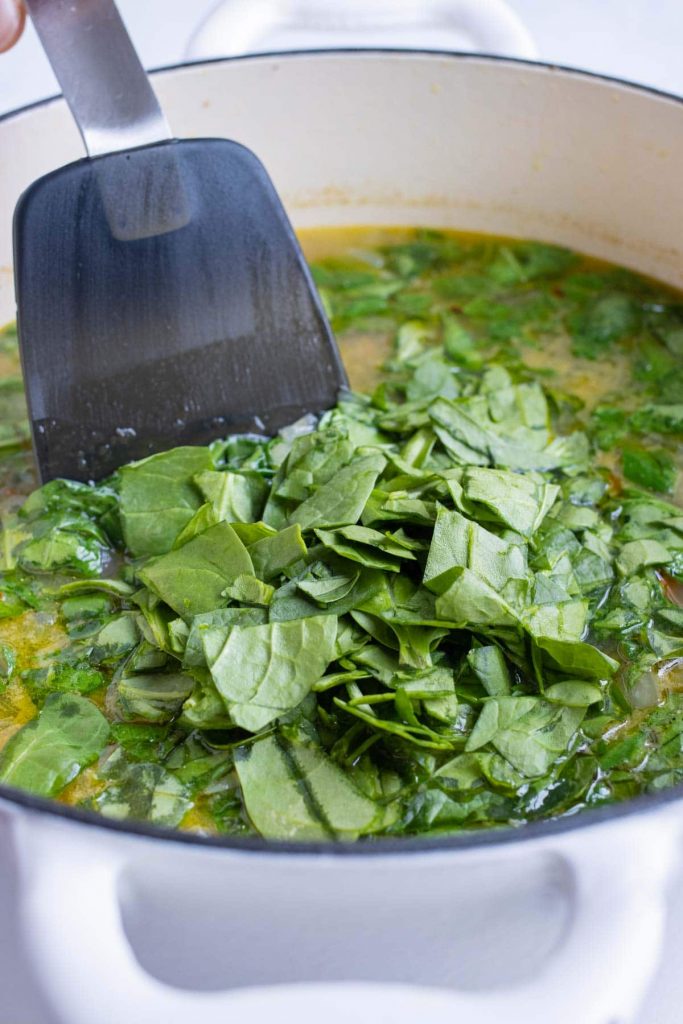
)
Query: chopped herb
[{"x": 450, "y": 604}]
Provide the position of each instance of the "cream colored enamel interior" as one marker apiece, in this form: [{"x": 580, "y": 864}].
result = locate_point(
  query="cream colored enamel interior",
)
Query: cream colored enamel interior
[{"x": 420, "y": 139}]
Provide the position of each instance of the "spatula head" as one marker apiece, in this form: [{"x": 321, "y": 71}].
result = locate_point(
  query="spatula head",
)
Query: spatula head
[{"x": 166, "y": 334}]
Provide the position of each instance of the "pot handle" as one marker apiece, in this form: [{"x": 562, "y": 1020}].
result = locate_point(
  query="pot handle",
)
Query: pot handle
[
  {"x": 598, "y": 974},
  {"x": 245, "y": 26}
]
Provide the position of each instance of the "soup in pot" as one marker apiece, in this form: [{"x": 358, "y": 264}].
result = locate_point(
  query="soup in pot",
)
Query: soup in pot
[{"x": 452, "y": 602}]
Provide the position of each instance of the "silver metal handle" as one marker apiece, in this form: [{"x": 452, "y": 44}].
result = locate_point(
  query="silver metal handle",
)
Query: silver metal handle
[{"x": 100, "y": 73}]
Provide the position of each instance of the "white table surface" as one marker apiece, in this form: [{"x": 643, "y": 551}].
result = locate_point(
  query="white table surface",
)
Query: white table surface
[{"x": 640, "y": 40}]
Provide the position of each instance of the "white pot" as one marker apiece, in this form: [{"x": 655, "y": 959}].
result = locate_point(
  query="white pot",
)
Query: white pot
[{"x": 573, "y": 910}]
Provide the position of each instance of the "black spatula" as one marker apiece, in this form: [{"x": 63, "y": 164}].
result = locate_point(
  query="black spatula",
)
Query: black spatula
[{"x": 162, "y": 296}]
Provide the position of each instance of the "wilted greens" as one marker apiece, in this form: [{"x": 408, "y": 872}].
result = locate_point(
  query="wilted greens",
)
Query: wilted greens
[{"x": 451, "y": 603}]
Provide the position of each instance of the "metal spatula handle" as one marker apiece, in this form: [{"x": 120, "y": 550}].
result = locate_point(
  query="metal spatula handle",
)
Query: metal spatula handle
[{"x": 100, "y": 73}]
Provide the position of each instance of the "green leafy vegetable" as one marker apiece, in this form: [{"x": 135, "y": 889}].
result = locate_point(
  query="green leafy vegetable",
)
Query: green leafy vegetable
[
  {"x": 262, "y": 671},
  {"x": 146, "y": 792},
  {"x": 529, "y": 733},
  {"x": 453, "y": 603},
  {"x": 234, "y": 497},
  {"x": 158, "y": 497},
  {"x": 341, "y": 500},
  {"x": 49, "y": 752},
  {"x": 277, "y": 805},
  {"x": 192, "y": 579},
  {"x": 654, "y": 468}
]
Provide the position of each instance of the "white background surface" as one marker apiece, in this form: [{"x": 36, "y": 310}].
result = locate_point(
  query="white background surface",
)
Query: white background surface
[{"x": 641, "y": 40}]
